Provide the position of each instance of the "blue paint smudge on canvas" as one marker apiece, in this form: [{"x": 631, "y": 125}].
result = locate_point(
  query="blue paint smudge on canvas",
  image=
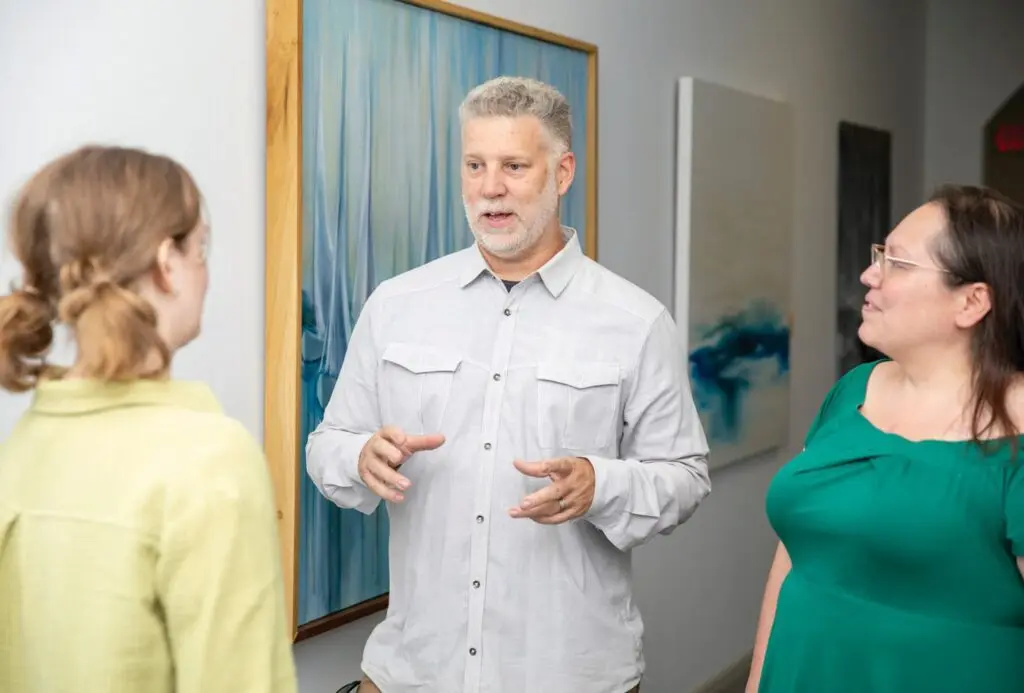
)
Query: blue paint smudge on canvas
[{"x": 740, "y": 352}]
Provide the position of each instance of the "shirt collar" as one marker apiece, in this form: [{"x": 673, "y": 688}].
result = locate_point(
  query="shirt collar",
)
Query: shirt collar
[
  {"x": 556, "y": 272},
  {"x": 84, "y": 396}
]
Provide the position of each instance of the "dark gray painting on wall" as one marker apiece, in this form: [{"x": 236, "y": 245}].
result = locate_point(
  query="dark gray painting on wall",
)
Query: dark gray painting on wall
[
  {"x": 865, "y": 200},
  {"x": 1003, "y": 149}
]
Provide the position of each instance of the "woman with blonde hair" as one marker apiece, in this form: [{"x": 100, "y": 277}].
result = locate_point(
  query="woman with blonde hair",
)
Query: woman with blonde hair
[{"x": 138, "y": 540}]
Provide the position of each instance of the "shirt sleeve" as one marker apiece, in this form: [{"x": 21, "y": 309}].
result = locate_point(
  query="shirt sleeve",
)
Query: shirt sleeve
[
  {"x": 662, "y": 475},
  {"x": 351, "y": 417},
  {"x": 1013, "y": 504},
  {"x": 219, "y": 577}
]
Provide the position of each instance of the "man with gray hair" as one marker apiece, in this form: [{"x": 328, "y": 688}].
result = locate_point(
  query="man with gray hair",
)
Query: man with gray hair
[{"x": 526, "y": 415}]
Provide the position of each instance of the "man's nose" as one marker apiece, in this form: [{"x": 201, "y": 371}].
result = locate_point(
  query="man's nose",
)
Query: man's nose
[{"x": 493, "y": 184}]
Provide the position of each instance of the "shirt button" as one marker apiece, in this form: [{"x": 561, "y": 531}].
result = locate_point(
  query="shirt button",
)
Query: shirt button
[
  {"x": 479, "y": 519},
  {"x": 508, "y": 312},
  {"x": 476, "y": 584},
  {"x": 487, "y": 446},
  {"x": 497, "y": 376},
  {"x": 472, "y": 651}
]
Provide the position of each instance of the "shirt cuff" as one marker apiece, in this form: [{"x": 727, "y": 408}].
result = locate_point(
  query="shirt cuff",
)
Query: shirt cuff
[
  {"x": 341, "y": 475},
  {"x": 609, "y": 477}
]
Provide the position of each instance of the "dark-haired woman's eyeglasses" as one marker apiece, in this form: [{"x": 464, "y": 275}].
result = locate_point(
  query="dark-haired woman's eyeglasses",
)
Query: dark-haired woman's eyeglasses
[{"x": 883, "y": 261}]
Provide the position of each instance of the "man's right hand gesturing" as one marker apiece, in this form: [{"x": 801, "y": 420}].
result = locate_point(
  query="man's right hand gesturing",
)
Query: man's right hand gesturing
[{"x": 384, "y": 452}]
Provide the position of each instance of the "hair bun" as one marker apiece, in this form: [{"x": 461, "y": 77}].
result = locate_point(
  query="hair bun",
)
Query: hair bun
[
  {"x": 102, "y": 307},
  {"x": 26, "y": 332}
]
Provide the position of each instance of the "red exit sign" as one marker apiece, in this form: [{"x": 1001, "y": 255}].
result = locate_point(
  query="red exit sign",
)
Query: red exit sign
[{"x": 1010, "y": 138}]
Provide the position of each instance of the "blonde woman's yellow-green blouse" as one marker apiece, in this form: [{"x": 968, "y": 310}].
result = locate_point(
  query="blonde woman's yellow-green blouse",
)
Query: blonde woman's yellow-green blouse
[{"x": 138, "y": 546}]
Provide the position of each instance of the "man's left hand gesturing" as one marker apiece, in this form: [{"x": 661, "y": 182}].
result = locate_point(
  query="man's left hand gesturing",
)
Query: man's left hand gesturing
[{"x": 567, "y": 497}]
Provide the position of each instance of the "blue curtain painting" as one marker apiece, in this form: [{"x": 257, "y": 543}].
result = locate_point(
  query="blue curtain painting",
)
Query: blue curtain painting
[{"x": 382, "y": 81}]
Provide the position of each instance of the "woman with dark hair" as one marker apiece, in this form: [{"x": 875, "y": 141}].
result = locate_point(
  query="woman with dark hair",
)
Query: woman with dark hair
[
  {"x": 138, "y": 536},
  {"x": 901, "y": 524}
]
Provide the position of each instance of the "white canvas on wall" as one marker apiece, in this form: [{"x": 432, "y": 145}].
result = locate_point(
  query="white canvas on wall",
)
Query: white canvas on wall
[{"x": 734, "y": 230}]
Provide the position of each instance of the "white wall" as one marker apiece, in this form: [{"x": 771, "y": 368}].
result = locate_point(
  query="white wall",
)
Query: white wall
[
  {"x": 975, "y": 61},
  {"x": 183, "y": 78},
  {"x": 186, "y": 78}
]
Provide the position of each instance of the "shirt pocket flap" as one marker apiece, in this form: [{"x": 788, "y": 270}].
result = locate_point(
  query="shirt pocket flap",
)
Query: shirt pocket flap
[
  {"x": 579, "y": 375},
  {"x": 422, "y": 359}
]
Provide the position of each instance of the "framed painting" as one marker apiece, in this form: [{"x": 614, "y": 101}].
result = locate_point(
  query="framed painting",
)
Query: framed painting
[
  {"x": 864, "y": 216},
  {"x": 734, "y": 249},
  {"x": 363, "y": 183},
  {"x": 1002, "y": 151}
]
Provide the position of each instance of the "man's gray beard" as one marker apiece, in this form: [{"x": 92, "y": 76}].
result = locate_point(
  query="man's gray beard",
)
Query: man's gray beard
[{"x": 528, "y": 237}]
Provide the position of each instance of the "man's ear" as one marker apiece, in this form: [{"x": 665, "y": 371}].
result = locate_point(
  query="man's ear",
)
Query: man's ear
[{"x": 565, "y": 172}]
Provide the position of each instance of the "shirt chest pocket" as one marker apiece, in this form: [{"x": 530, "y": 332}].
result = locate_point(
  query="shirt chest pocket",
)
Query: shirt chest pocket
[
  {"x": 416, "y": 384},
  {"x": 577, "y": 405}
]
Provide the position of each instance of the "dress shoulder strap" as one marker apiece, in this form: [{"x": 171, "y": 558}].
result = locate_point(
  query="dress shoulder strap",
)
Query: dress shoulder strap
[{"x": 847, "y": 393}]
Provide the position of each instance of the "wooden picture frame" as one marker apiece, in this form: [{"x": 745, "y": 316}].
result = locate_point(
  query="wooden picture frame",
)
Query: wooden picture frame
[{"x": 284, "y": 259}]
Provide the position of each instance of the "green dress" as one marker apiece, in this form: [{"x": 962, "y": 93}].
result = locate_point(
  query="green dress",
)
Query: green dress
[{"x": 904, "y": 575}]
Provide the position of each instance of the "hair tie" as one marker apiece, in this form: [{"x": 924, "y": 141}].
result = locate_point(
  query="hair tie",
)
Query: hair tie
[{"x": 101, "y": 280}]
